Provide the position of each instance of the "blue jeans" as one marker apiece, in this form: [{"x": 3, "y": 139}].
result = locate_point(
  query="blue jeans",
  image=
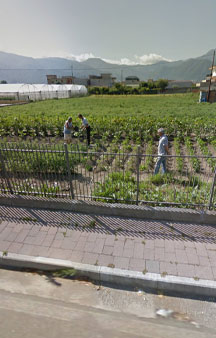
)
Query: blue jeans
[{"x": 160, "y": 160}]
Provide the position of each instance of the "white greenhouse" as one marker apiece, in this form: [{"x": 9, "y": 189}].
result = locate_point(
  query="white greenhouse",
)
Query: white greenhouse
[{"x": 37, "y": 92}]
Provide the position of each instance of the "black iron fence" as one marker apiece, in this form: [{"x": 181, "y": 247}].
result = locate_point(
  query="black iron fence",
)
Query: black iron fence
[{"x": 70, "y": 171}]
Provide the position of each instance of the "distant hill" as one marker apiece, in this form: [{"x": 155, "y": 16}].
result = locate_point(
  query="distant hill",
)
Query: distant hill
[{"x": 21, "y": 69}]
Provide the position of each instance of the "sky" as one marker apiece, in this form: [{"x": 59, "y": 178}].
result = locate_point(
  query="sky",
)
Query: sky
[{"x": 118, "y": 31}]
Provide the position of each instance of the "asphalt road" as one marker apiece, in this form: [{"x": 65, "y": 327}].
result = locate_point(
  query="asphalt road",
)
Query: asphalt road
[{"x": 33, "y": 306}]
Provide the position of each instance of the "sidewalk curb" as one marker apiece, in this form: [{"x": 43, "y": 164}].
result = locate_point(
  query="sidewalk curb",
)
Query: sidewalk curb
[
  {"x": 126, "y": 278},
  {"x": 119, "y": 210}
]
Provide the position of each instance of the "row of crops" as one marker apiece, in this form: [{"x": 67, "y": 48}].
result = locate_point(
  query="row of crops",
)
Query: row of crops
[{"x": 121, "y": 174}]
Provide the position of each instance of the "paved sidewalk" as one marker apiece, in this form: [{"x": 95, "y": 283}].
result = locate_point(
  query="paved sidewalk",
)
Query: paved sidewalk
[{"x": 161, "y": 247}]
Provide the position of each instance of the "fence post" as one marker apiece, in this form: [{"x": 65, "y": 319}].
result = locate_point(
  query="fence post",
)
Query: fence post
[
  {"x": 5, "y": 174},
  {"x": 138, "y": 174},
  {"x": 68, "y": 169},
  {"x": 212, "y": 190}
]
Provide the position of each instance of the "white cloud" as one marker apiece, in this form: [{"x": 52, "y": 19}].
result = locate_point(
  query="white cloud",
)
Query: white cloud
[
  {"x": 136, "y": 60},
  {"x": 81, "y": 57},
  {"x": 150, "y": 59}
]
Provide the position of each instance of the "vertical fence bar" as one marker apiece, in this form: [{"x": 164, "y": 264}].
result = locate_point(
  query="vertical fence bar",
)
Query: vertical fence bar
[
  {"x": 138, "y": 174},
  {"x": 212, "y": 190},
  {"x": 69, "y": 172},
  {"x": 5, "y": 174}
]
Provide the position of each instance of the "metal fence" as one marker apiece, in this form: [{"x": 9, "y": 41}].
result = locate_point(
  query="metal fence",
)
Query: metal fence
[{"x": 70, "y": 171}]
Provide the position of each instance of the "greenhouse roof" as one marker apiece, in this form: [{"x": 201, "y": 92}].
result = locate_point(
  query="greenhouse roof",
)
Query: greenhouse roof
[{"x": 28, "y": 88}]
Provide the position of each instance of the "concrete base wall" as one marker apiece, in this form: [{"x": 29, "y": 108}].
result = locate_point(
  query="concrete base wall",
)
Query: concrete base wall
[{"x": 121, "y": 210}]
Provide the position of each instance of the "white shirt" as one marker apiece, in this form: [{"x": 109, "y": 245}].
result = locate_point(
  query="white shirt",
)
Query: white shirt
[
  {"x": 85, "y": 122},
  {"x": 161, "y": 146}
]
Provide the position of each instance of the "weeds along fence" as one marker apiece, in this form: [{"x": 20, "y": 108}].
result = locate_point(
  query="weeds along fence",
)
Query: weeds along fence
[{"x": 73, "y": 171}]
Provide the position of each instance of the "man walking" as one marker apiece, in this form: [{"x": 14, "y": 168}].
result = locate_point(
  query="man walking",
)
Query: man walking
[
  {"x": 162, "y": 150},
  {"x": 68, "y": 126},
  {"x": 85, "y": 125}
]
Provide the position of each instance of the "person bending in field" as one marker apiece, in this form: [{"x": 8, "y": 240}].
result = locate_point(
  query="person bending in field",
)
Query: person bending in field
[
  {"x": 162, "y": 151},
  {"x": 68, "y": 126},
  {"x": 86, "y": 126}
]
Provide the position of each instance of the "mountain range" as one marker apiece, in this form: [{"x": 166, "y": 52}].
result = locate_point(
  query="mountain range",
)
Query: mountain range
[{"x": 21, "y": 69}]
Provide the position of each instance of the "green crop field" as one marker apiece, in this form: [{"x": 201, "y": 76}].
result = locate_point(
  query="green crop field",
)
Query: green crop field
[
  {"x": 119, "y": 124},
  {"x": 133, "y": 117}
]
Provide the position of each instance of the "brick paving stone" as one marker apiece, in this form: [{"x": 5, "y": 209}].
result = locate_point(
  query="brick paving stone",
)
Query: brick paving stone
[
  {"x": 5, "y": 233},
  {"x": 169, "y": 246},
  {"x": 27, "y": 226},
  {"x": 170, "y": 269},
  {"x": 74, "y": 235},
  {"x": 29, "y": 240},
  {"x": 67, "y": 243},
  {"x": 138, "y": 250},
  {"x": 179, "y": 245},
  {"x": 83, "y": 234},
  {"x": 18, "y": 228},
  {"x": 99, "y": 244},
  {"x": 212, "y": 261},
  {"x": 34, "y": 231},
  {"x": 159, "y": 243},
  {"x": 204, "y": 261},
  {"x": 77, "y": 256},
  {"x": 210, "y": 246},
  {"x": 90, "y": 258},
  {"x": 212, "y": 254},
  {"x": 149, "y": 244},
  {"x": 192, "y": 256},
  {"x": 2, "y": 226},
  {"x": 128, "y": 252},
  {"x": 59, "y": 253},
  {"x": 201, "y": 249},
  {"x": 14, "y": 247},
  {"x": 181, "y": 256},
  {"x": 80, "y": 245},
  {"x": 105, "y": 260},
  {"x": 4, "y": 245},
  {"x": 189, "y": 244},
  {"x": 121, "y": 262},
  {"x": 204, "y": 272},
  {"x": 57, "y": 243},
  {"x": 89, "y": 246},
  {"x": 170, "y": 257},
  {"x": 186, "y": 270},
  {"x": 110, "y": 240},
  {"x": 26, "y": 249},
  {"x": 148, "y": 254},
  {"x": 44, "y": 228},
  {"x": 38, "y": 240},
  {"x": 152, "y": 266},
  {"x": 92, "y": 237},
  {"x": 12, "y": 236},
  {"x": 59, "y": 235},
  {"x": 11, "y": 224},
  {"x": 129, "y": 244},
  {"x": 108, "y": 250},
  {"x": 102, "y": 236},
  {"x": 137, "y": 264},
  {"x": 52, "y": 230},
  {"x": 48, "y": 240},
  {"x": 118, "y": 248},
  {"x": 22, "y": 235},
  {"x": 214, "y": 272},
  {"x": 40, "y": 251},
  {"x": 159, "y": 254}
]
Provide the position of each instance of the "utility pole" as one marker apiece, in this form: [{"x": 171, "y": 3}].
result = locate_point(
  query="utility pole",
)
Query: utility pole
[
  {"x": 121, "y": 76},
  {"x": 209, "y": 89}
]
